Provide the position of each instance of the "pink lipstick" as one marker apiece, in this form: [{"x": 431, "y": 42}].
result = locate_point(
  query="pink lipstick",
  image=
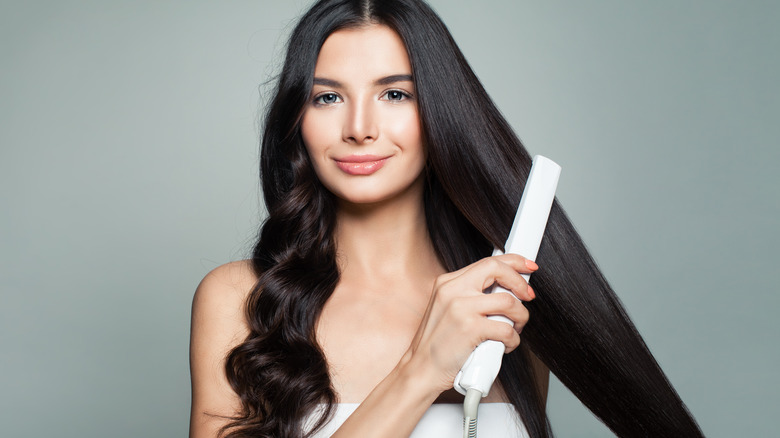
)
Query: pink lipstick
[{"x": 361, "y": 164}]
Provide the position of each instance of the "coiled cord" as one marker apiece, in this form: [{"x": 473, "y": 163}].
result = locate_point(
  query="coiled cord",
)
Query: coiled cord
[{"x": 470, "y": 410}]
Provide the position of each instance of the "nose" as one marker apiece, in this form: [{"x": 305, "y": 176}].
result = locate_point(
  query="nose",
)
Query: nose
[{"x": 360, "y": 126}]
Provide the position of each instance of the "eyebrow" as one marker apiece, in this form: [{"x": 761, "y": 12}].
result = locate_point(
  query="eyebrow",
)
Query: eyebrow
[
  {"x": 387, "y": 80},
  {"x": 393, "y": 79}
]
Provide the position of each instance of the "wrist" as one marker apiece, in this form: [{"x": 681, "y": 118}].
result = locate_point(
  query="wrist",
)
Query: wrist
[
  {"x": 395, "y": 406},
  {"x": 417, "y": 379}
]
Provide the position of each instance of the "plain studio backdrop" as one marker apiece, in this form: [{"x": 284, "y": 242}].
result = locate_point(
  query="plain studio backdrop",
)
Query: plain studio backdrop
[{"x": 128, "y": 171}]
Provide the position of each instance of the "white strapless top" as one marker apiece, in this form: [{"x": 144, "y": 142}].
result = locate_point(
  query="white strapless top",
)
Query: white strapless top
[{"x": 445, "y": 420}]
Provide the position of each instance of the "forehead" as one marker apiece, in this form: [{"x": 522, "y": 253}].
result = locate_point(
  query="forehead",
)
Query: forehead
[{"x": 362, "y": 53}]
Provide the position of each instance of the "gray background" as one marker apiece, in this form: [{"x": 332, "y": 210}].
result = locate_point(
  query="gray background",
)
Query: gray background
[{"x": 127, "y": 172}]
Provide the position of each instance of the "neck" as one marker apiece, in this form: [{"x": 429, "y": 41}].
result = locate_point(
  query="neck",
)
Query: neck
[{"x": 385, "y": 241}]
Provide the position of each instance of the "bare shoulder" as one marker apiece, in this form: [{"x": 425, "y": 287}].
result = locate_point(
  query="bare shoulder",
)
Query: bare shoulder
[
  {"x": 218, "y": 304},
  {"x": 218, "y": 318},
  {"x": 218, "y": 325},
  {"x": 225, "y": 287}
]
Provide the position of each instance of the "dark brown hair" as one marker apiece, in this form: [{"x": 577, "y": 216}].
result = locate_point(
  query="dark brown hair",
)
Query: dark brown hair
[{"x": 475, "y": 175}]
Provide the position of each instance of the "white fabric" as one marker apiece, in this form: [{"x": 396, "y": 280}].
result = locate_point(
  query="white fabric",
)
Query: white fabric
[{"x": 445, "y": 420}]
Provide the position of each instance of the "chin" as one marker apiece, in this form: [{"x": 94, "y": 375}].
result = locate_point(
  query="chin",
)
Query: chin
[
  {"x": 364, "y": 198},
  {"x": 378, "y": 195}
]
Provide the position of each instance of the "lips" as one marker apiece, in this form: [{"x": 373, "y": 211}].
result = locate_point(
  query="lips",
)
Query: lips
[{"x": 361, "y": 164}]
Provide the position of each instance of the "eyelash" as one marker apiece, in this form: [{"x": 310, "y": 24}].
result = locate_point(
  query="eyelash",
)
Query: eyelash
[
  {"x": 401, "y": 96},
  {"x": 318, "y": 99},
  {"x": 404, "y": 95}
]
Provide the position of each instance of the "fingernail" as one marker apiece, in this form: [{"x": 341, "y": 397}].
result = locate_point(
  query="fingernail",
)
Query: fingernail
[
  {"x": 531, "y": 292},
  {"x": 531, "y": 264}
]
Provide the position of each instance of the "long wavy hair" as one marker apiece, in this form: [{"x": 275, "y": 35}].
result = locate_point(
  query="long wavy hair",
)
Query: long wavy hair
[{"x": 475, "y": 174}]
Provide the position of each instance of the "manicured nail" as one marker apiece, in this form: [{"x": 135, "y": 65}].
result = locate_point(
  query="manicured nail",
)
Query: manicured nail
[
  {"x": 531, "y": 264},
  {"x": 531, "y": 292}
]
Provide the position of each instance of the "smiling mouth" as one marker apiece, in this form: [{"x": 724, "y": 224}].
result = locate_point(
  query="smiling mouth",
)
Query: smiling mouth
[{"x": 361, "y": 165}]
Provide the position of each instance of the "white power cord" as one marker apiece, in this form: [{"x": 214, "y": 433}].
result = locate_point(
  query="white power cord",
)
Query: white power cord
[{"x": 470, "y": 410}]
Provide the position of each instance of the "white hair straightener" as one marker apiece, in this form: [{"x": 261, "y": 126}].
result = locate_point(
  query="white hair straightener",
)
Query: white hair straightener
[{"x": 481, "y": 368}]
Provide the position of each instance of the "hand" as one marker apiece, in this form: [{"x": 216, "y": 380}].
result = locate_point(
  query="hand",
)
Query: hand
[{"x": 455, "y": 321}]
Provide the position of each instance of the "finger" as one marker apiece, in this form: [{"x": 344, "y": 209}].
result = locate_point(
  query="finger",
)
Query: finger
[
  {"x": 472, "y": 324},
  {"x": 519, "y": 263},
  {"x": 502, "y": 304},
  {"x": 486, "y": 272},
  {"x": 501, "y": 332},
  {"x": 472, "y": 312}
]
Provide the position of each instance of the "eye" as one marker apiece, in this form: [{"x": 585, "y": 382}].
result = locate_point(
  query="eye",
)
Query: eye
[
  {"x": 396, "y": 95},
  {"x": 327, "y": 99}
]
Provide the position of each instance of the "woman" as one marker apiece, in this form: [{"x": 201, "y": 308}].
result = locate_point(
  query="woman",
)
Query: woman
[{"x": 389, "y": 175}]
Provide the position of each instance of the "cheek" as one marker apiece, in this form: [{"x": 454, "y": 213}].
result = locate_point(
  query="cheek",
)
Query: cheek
[
  {"x": 313, "y": 135},
  {"x": 406, "y": 131}
]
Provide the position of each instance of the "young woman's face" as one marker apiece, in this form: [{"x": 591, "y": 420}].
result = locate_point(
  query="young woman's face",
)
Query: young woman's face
[{"x": 361, "y": 127}]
